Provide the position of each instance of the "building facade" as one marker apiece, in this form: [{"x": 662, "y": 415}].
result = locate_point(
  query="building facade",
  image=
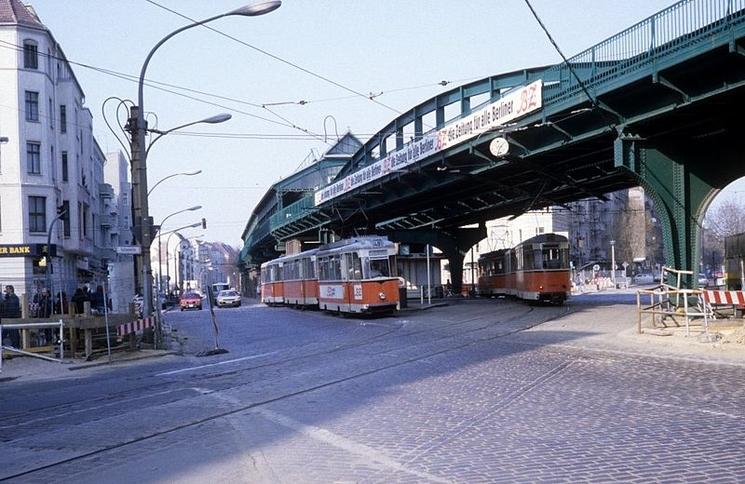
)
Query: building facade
[{"x": 50, "y": 165}]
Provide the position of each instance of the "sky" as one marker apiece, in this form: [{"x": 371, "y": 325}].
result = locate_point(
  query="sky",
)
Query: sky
[{"x": 331, "y": 54}]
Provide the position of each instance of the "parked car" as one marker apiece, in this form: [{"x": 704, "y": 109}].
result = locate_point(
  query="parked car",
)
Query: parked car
[
  {"x": 229, "y": 298},
  {"x": 645, "y": 278},
  {"x": 702, "y": 280},
  {"x": 190, "y": 300}
]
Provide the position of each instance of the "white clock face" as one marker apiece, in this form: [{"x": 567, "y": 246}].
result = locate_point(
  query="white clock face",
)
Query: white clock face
[{"x": 499, "y": 147}]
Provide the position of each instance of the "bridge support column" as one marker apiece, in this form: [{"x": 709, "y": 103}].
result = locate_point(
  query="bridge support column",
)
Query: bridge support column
[
  {"x": 454, "y": 244},
  {"x": 682, "y": 175}
]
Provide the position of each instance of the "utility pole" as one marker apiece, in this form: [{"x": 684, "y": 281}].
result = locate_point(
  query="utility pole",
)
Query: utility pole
[
  {"x": 613, "y": 262},
  {"x": 143, "y": 223}
]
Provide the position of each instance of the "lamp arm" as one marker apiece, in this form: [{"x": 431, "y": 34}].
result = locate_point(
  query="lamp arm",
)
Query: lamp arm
[{"x": 162, "y": 41}]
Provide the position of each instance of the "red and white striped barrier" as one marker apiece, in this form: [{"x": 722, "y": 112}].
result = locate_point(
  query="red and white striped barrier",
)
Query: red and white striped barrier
[
  {"x": 725, "y": 297},
  {"x": 134, "y": 326}
]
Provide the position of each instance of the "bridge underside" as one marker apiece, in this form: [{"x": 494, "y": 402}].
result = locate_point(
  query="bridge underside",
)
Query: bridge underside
[{"x": 673, "y": 127}]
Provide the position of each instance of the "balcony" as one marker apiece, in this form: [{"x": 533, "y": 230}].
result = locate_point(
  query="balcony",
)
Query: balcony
[{"x": 106, "y": 190}]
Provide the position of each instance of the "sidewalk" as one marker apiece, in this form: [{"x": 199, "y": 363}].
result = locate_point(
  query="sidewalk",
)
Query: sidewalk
[
  {"x": 28, "y": 368},
  {"x": 606, "y": 321}
]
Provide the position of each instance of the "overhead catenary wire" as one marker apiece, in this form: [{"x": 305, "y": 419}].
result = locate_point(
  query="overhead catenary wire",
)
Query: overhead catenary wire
[
  {"x": 277, "y": 58},
  {"x": 158, "y": 85}
]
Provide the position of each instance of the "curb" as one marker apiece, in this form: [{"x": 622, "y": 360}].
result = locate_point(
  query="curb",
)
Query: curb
[
  {"x": 424, "y": 308},
  {"x": 83, "y": 366}
]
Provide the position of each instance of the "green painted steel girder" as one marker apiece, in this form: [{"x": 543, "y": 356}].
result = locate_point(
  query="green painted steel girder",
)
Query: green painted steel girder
[{"x": 682, "y": 174}]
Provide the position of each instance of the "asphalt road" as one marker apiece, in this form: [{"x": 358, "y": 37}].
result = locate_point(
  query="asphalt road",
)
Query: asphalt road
[{"x": 473, "y": 392}]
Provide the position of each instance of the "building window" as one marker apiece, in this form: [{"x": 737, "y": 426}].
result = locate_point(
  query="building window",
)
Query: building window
[
  {"x": 80, "y": 218},
  {"x": 85, "y": 220},
  {"x": 65, "y": 176},
  {"x": 66, "y": 217},
  {"x": 33, "y": 158},
  {"x": 63, "y": 118},
  {"x": 52, "y": 163},
  {"x": 32, "y": 106},
  {"x": 51, "y": 114},
  {"x": 37, "y": 214},
  {"x": 1, "y": 216},
  {"x": 30, "y": 55}
]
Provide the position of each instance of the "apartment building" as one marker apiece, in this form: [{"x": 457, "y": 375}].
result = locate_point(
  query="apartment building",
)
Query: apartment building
[{"x": 50, "y": 164}]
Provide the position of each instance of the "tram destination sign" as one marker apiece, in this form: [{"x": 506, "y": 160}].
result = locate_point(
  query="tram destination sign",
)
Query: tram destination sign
[{"x": 513, "y": 105}]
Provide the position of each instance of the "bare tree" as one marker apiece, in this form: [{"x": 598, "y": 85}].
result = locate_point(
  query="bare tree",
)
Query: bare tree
[
  {"x": 722, "y": 220},
  {"x": 726, "y": 218}
]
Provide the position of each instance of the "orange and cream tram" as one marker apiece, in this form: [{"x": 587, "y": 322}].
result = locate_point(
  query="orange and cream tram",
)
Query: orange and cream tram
[
  {"x": 272, "y": 285},
  {"x": 299, "y": 279},
  {"x": 535, "y": 270},
  {"x": 357, "y": 275}
]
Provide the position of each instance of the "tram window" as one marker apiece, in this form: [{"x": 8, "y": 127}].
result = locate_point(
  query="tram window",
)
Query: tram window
[
  {"x": 553, "y": 258},
  {"x": 309, "y": 269},
  {"x": 349, "y": 269},
  {"x": 379, "y": 268},
  {"x": 355, "y": 267},
  {"x": 335, "y": 268}
]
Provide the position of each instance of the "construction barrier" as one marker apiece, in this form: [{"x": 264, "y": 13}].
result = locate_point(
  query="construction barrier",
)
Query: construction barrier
[
  {"x": 732, "y": 298},
  {"x": 134, "y": 326}
]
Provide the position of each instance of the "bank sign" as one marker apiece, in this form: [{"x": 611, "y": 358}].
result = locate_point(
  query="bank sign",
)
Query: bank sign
[
  {"x": 513, "y": 105},
  {"x": 26, "y": 250}
]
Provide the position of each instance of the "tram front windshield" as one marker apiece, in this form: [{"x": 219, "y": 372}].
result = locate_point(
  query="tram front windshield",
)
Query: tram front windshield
[
  {"x": 555, "y": 257},
  {"x": 379, "y": 268}
]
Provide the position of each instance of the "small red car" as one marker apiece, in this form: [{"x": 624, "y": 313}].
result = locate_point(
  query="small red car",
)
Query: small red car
[{"x": 190, "y": 300}]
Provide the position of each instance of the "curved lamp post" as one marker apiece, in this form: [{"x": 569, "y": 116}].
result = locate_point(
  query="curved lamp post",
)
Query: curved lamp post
[
  {"x": 160, "y": 248},
  {"x": 186, "y": 173},
  {"x": 176, "y": 268},
  {"x": 216, "y": 119},
  {"x": 137, "y": 128}
]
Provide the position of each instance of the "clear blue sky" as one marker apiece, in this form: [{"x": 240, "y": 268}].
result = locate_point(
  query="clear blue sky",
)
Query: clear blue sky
[{"x": 400, "y": 48}]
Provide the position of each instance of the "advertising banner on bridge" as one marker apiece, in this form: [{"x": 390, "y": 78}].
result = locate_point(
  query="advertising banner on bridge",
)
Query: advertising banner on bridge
[{"x": 513, "y": 105}]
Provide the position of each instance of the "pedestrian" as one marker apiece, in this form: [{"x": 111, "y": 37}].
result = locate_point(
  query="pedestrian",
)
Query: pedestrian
[
  {"x": 12, "y": 303},
  {"x": 97, "y": 299},
  {"x": 78, "y": 299}
]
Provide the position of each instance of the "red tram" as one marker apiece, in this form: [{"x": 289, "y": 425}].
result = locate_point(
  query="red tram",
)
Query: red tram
[
  {"x": 300, "y": 280},
  {"x": 354, "y": 275},
  {"x": 535, "y": 270},
  {"x": 272, "y": 283}
]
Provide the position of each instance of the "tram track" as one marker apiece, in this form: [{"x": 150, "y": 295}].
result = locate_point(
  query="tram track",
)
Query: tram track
[
  {"x": 298, "y": 392},
  {"x": 176, "y": 385}
]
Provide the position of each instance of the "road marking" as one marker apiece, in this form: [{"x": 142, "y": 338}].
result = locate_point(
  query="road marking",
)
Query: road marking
[
  {"x": 182, "y": 370},
  {"x": 335, "y": 440},
  {"x": 689, "y": 409}
]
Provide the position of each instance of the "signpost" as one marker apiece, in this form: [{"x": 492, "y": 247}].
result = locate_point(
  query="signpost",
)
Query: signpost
[{"x": 129, "y": 250}]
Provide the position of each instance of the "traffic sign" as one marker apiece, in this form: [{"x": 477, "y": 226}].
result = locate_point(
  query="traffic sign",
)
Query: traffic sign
[{"x": 129, "y": 250}]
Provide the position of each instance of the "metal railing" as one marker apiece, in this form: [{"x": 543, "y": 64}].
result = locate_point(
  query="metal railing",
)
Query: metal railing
[
  {"x": 25, "y": 327},
  {"x": 292, "y": 212},
  {"x": 678, "y": 29}
]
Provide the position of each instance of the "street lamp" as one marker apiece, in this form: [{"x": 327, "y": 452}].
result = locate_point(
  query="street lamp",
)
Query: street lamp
[
  {"x": 160, "y": 258},
  {"x": 186, "y": 173},
  {"x": 176, "y": 258},
  {"x": 218, "y": 118},
  {"x": 137, "y": 128}
]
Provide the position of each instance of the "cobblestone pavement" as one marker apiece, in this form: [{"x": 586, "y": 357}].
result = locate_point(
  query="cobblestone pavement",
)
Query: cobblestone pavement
[{"x": 482, "y": 391}]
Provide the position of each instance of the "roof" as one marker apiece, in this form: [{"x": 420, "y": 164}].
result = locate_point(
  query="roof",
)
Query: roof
[{"x": 14, "y": 12}]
